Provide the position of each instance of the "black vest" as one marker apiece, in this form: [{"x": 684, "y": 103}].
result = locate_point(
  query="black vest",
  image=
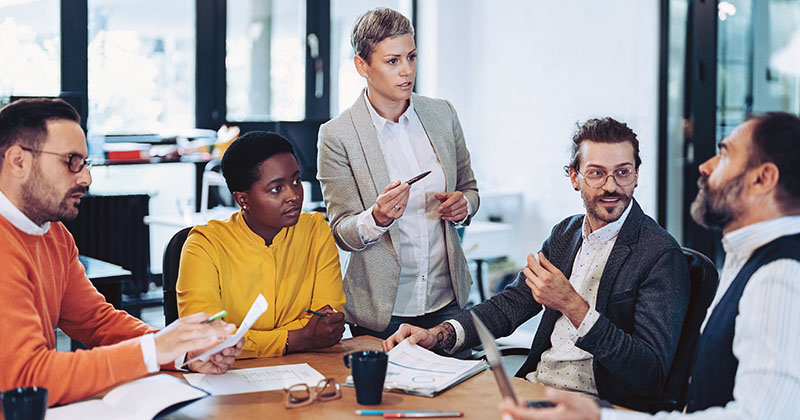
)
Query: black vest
[{"x": 714, "y": 369}]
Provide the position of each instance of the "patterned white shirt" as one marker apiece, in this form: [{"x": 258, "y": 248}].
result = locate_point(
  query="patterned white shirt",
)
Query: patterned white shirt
[
  {"x": 766, "y": 340},
  {"x": 564, "y": 365}
]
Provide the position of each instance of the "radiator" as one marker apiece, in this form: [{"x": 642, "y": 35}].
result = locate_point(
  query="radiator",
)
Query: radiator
[{"x": 111, "y": 228}]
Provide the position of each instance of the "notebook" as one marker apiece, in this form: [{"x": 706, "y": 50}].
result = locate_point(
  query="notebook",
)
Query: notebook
[{"x": 142, "y": 399}]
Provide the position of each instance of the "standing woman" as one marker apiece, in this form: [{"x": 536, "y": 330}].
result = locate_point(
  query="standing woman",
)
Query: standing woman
[{"x": 406, "y": 264}]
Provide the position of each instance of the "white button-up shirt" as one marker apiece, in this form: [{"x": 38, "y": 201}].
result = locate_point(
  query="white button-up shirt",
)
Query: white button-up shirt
[
  {"x": 424, "y": 285},
  {"x": 565, "y": 365},
  {"x": 766, "y": 340}
]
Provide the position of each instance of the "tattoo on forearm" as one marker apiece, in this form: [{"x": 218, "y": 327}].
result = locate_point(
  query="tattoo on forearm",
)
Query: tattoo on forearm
[{"x": 445, "y": 337}]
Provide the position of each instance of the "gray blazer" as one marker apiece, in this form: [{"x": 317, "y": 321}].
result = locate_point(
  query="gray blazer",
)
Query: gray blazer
[
  {"x": 642, "y": 300},
  {"x": 352, "y": 173}
]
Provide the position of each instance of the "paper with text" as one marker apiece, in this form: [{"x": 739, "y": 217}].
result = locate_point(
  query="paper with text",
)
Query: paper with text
[
  {"x": 269, "y": 378},
  {"x": 259, "y": 307}
]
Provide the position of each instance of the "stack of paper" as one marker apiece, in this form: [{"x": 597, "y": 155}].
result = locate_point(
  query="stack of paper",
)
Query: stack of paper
[{"x": 418, "y": 371}]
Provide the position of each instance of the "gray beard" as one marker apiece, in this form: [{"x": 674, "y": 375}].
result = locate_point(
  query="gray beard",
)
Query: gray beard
[{"x": 716, "y": 209}]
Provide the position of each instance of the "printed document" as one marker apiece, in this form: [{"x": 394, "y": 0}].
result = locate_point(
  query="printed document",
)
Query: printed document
[
  {"x": 259, "y": 307},
  {"x": 269, "y": 378}
]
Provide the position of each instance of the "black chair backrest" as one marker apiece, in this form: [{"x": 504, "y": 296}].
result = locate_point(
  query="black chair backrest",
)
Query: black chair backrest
[
  {"x": 172, "y": 260},
  {"x": 704, "y": 280}
]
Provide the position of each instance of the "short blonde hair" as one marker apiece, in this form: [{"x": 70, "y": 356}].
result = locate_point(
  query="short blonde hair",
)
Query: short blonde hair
[{"x": 376, "y": 25}]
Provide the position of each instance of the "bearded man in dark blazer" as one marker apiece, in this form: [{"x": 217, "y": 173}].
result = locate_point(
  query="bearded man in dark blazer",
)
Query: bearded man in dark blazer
[{"x": 613, "y": 284}]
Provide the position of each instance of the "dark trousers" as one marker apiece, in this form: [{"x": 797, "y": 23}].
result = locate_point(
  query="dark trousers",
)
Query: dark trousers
[{"x": 423, "y": 321}]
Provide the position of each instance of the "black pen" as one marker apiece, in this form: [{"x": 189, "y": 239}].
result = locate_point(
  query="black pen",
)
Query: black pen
[
  {"x": 316, "y": 313},
  {"x": 417, "y": 178}
]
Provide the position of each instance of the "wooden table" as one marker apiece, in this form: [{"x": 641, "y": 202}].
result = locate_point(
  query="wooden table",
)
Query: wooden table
[{"x": 477, "y": 397}]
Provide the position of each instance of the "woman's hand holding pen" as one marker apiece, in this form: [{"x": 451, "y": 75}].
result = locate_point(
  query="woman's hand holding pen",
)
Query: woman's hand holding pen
[
  {"x": 391, "y": 204},
  {"x": 321, "y": 331},
  {"x": 453, "y": 207}
]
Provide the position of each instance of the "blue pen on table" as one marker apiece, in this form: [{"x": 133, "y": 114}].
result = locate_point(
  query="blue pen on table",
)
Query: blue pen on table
[
  {"x": 216, "y": 316},
  {"x": 316, "y": 313},
  {"x": 399, "y": 414}
]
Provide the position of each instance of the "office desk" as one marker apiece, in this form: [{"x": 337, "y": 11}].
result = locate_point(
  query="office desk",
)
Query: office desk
[
  {"x": 485, "y": 241},
  {"x": 199, "y": 160},
  {"x": 477, "y": 397},
  {"x": 107, "y": 278}
]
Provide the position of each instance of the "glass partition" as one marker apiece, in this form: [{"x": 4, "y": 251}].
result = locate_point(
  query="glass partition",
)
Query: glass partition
[
  {"x": 30, "y": 45},
  {"x": 265, "y": 60},
  {"x": 141, "y": 65}
]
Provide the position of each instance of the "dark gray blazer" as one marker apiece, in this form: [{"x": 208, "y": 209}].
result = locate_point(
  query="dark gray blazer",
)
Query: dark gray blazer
[{"x": 642, "y": 300}]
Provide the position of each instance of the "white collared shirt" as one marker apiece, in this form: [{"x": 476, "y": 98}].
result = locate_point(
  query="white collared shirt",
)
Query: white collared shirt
[
  {"x": 424, "y": 284},
  {"x": 23, "y": 223},
  {"x": 766, "y": 341},
  {"x": 19, "y": 219},
  {"x": 564, "y": 365}
]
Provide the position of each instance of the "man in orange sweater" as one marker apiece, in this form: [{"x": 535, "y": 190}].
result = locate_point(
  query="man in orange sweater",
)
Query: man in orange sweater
[{"x": 43, "y": 174}]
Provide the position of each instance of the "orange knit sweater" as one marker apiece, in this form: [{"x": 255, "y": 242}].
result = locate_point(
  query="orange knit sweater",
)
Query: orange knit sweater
[{"x": 43, "y": 286}]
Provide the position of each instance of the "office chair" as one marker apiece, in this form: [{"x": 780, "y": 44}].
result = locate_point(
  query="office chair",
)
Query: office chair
[
  {"x": 704, "y": 279},
  {"x": 214, "y": 187},
  {"x": 172, "y": 259}
]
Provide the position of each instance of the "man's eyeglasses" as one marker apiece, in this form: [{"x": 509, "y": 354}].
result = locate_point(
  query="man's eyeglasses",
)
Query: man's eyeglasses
[
  {"x": 596, "y": 178},
  {"x": 75, "y": 162},
  {"x": 300, "y": 395}
]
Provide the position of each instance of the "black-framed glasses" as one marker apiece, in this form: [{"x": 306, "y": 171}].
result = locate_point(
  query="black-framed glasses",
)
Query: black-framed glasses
[
  {"x": 596, "y": 178},
  {"x": 75, "y": 163},
  {"x": 300, "y": 394}
]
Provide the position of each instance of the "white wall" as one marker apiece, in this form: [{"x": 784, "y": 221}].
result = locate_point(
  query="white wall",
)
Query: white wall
[{"x": 522, "y": 73}]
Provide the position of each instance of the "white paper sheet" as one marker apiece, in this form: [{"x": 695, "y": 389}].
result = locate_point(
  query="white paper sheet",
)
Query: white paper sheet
[
  {"x": 269, "y": 378},
  {"x": 259, "y": 307}
]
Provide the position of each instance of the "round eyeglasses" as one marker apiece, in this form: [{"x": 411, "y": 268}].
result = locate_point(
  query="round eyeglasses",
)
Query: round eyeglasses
[
  {"x": 596, "y": 178},
  {"x": 76, "y": 162}
]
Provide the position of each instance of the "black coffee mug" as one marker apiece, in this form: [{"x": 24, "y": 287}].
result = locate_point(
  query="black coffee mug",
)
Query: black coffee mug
[
  {"x": 24, "y": 403},
  {"x": 369, "y": 372}
]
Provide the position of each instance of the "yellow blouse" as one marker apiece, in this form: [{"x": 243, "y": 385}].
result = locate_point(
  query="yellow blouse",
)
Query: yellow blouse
[{"x": 225, "y": 265}]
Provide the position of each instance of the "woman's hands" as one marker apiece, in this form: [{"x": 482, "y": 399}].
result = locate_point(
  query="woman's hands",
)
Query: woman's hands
[
  {"x": 391, "y": 204},
  {"x": 321, "y": 331}
]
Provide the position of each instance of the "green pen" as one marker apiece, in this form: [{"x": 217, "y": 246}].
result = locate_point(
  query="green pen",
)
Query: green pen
[
  {"x": 316, "y": 313},
  {"x": 216, "y": 316}
]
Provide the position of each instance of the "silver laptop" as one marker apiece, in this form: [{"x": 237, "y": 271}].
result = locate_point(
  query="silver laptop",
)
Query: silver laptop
[
  {"x": 496, "y": 364},
  {"x": 494, "y": 358}
]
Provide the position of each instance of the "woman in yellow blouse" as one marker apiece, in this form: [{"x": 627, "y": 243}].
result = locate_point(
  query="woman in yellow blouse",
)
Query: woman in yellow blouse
[{"x": 269, "y": 247}]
